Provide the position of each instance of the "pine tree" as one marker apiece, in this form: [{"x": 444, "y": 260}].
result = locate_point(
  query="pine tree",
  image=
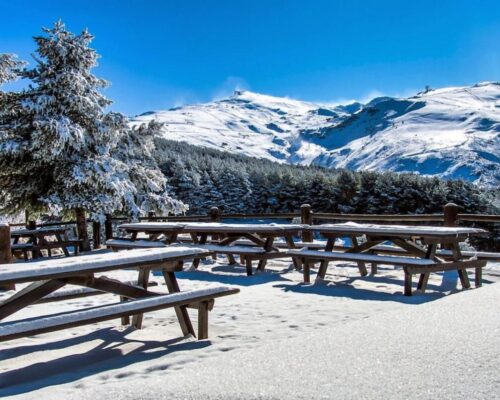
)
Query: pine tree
[{"x": 72, "y": 156}]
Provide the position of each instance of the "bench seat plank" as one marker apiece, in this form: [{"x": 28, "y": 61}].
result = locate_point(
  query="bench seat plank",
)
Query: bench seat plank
[
  {"x": 133, "y": 244},
  {"x": 246, "y": 250},
  {"x": 360, "y": 257},
  {"x": 49, "y": 323}
]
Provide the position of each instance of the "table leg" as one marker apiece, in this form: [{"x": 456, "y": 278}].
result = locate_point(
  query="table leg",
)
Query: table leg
[
  {"x": 361, "y": 265},
  {"x": 424, "y": 277},
  {"x": 408, "y": 277},
  {"x": 268, "y": 246},
  {"x": 462, "y": 273},
  {"x": 201, "y": 240},
  {"x": 306, "y": 271},
  {"x": 181, "y": 311},
  {"x": 248, "y": 264},
  {"x": 324, "y": 264},
  {"x": 143, "y": 280},
  {"x": 291, "y": 245}
]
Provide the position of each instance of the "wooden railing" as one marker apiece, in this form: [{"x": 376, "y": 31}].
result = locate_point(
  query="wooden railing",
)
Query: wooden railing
[{"x": 449, "y": 217}]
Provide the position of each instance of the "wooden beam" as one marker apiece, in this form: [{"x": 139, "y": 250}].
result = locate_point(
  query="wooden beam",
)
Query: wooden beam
[
  {"x": 6, "y": 252},
  {"x": 29, "y": 295},
  {"x": 180, "y": 311}
]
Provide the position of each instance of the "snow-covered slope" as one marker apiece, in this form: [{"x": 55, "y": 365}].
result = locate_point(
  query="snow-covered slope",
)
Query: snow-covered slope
[{"x": 451, "y": 132}]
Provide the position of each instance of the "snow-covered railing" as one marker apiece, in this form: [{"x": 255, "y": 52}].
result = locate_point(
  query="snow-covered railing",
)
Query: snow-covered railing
[{"x": 449, "y": 217}]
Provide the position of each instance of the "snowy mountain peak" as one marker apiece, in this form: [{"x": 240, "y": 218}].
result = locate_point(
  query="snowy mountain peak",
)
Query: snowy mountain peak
[{"x": 449, "y": 132}]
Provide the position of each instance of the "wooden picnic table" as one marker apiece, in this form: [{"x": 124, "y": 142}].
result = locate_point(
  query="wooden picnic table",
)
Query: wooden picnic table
[
  {"x": 38, "y": 239},
  {"x": 50, "y": 275},
  {"x": 223, "y": 237},
  {"x": 154, "y": 230},
  {"x": 405, "y": 239}
]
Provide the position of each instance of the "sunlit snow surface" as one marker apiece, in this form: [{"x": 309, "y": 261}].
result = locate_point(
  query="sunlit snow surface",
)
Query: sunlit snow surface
[{"x": 451, "y": 132}]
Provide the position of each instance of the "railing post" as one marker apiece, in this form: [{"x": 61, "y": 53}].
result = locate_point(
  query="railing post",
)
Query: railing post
[
  {"x": 151, "y": 215},
  {"x": 5, "y": 251},
  {"x": 306, "y": 219},
  {"x": 96, "y": 234},
  {"x": 214, "y": 214},
  {"x": 450, "y": 211},
  {"x": 81, "y": 228},
  {"x": 108, "y": 227}
]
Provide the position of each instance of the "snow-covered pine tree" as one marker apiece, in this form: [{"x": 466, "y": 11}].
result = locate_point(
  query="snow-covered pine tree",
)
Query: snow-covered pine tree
[
  {"x": 10, "y": 67},
  {"x": 77, "y": 157}
]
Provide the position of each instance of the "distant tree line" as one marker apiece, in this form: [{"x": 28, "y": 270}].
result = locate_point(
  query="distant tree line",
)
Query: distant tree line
[{"x": 202, "y": 177}]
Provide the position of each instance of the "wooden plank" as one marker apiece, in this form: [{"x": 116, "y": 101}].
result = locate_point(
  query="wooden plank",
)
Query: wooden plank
[
  {"x": 248, "y": 265},
  {"x": 324, "y": 263},
  {"x": 124, "y": 263},
  {"x": 29, "y": 295},
  {"x": 407, "y": 287},
  {"x": 91, "y": 315},
  {"x": 181, "y": 312},
  {"x": 203, "y": 309},
  {"x": 6, "y": 252},
  {"x": 142, "y": 280}
]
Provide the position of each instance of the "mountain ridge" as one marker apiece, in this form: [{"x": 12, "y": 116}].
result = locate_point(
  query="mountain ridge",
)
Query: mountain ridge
[{"x": 450, "y": 132}]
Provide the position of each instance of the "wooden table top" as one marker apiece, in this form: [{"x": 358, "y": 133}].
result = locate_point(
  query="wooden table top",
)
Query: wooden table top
[
  {"x": 152, "y": 226},
  {"x": 215, "y": 227},
  {"x": 93, "y": 263},
  {"x": 397, "y": 230},
  {"x": 210, "y": 227}
]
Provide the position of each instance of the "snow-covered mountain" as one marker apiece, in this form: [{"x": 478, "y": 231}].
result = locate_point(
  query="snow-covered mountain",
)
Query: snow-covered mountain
[{"x": 452, "y": 132}]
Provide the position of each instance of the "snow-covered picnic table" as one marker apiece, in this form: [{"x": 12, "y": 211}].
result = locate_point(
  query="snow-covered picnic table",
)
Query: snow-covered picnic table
[
  {"x": 422, "y": 257},
  {"x": 223, "y": 238},
  {"x": 49, "y": 275}
]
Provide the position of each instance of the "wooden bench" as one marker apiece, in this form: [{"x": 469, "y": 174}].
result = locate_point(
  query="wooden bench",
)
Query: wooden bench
[
  {"x": 283, "y": 245},
  {"x": 410, "y": 265},
  {"x": 50, "y": 275},
  {"x": 248, "y": 254},
  {"x": 447, "y": 254},
  {"x": 127, "y": 244},
  {"x": 48, "y": 323}
]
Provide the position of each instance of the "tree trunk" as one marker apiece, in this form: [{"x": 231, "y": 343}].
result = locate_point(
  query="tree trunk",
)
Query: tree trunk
[{"x": 81, "y": 227}]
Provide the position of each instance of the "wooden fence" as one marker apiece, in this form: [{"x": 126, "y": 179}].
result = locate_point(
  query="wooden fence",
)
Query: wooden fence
[{"x": 449, "y": 217}]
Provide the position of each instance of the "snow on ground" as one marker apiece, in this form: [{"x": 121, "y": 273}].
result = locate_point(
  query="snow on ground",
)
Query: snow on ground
[{"x": 351, "y": 337}]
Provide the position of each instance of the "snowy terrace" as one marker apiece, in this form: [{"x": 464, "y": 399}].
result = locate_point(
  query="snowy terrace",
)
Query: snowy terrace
[
  {"x": 347, "y": 337},
  {"x": 278, "y": 338}
]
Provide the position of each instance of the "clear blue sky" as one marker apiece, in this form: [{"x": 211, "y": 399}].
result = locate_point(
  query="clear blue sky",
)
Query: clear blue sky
[{"x": 158, "y": 54}]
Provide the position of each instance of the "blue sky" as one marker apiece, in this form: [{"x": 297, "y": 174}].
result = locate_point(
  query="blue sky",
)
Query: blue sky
[{"x": 158, "y": 54}]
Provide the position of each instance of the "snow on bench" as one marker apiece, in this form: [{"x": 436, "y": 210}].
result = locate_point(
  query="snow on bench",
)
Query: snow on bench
[
  {"x": 54, "y": 268},
  {"x": 48, "y": 323},
  {"x": 215, "y": 248},
  {"x": 133, "y": 244},
  {"x": 480, "y": 255},
  {"x": 360, "y": 257},
  {"x": 411, "y": 266},
  {"x": 318, "y": 244}
]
